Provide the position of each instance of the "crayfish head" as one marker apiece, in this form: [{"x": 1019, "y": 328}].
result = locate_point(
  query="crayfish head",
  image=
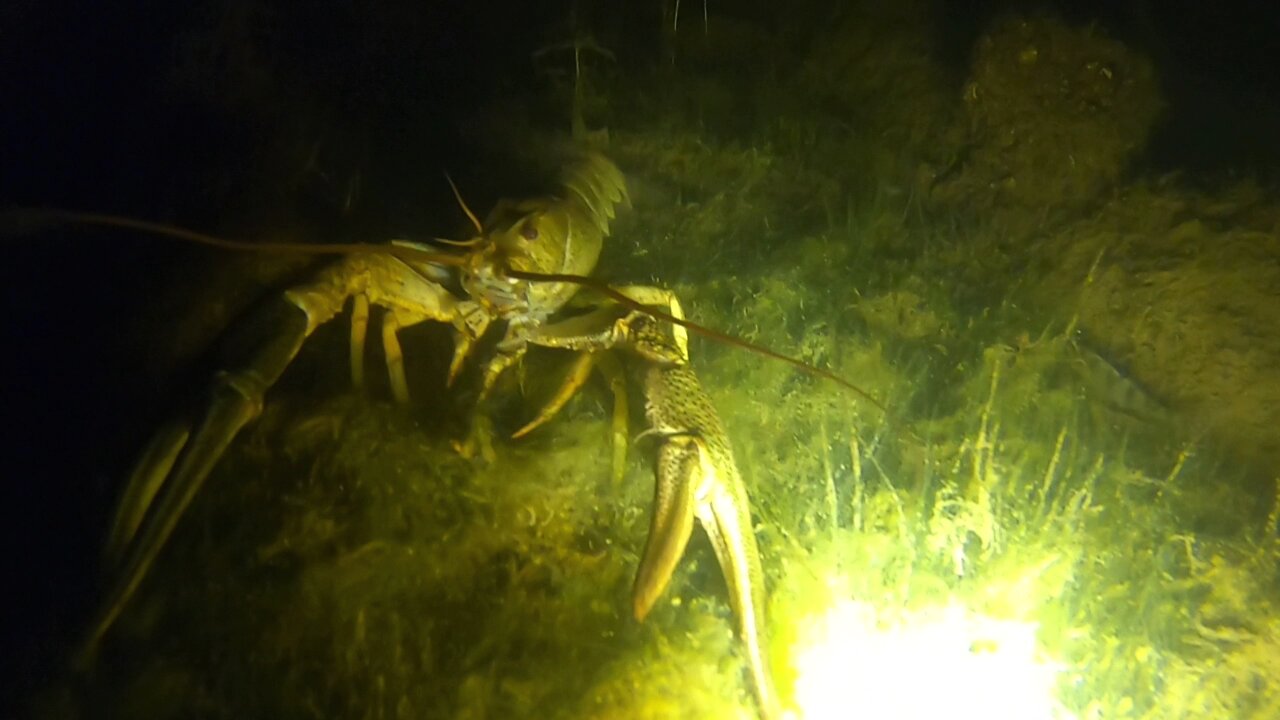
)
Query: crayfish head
[{"x": 532, "y": 235}]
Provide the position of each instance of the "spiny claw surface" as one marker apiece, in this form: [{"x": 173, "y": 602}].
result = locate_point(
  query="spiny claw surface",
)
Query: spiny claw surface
[{"x": 697, "y": 477}]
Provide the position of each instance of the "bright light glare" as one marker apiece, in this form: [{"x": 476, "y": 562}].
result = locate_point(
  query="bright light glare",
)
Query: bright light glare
[{"x": 946, "y": 662}]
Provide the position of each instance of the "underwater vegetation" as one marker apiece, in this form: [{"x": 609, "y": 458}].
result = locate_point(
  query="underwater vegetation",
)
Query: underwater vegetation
[{"x": 1068, "y": 510}]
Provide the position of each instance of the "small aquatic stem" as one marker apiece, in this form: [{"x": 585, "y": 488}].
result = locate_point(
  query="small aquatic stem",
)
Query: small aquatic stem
[
  {"x": 1049, "y": 472},
  {"x": 981, "y": 446},
  {"x": 833, "y": 508},
  {"x": 859, "y": 490}
]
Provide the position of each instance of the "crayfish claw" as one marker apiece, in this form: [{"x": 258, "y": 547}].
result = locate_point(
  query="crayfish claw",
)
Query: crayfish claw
[
  {"x": 178, "y": 460},
  {"x": 145, "y": 481}
]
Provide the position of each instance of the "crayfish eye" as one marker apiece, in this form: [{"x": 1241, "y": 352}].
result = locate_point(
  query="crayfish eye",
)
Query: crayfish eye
[{"x": 529, "y": 232}]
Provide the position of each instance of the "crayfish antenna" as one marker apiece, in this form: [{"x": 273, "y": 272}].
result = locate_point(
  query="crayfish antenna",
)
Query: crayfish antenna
[
  {"x": 458, "y": 243},
  {"x": 463, "y": 204}
]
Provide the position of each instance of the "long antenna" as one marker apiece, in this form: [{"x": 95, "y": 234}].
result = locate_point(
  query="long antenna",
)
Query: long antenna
[
  {"x": 463, "y": 203},
  {"x": 405, "y": 252},
  {"x": 711, "y": 333}
]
